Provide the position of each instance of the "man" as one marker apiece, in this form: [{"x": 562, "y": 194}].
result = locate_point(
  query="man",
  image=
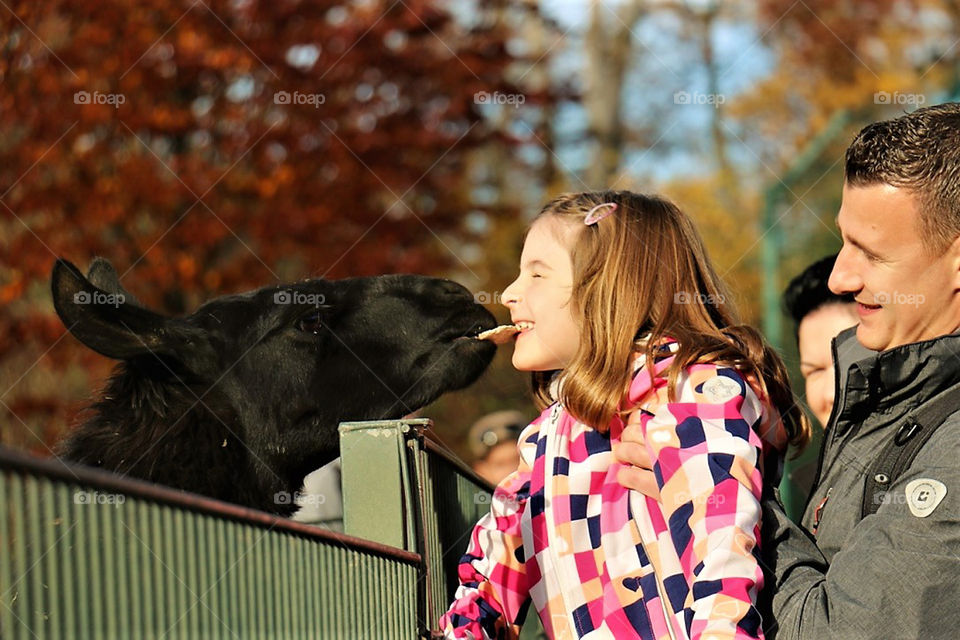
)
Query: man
[{"x": 894, "y": 572}]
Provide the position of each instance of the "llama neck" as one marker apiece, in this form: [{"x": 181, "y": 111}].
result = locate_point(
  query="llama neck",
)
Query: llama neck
[{"x": 164, "y": 429}]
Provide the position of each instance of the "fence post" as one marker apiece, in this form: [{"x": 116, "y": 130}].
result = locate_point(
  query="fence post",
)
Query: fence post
[{"x": 377, "y": 491}]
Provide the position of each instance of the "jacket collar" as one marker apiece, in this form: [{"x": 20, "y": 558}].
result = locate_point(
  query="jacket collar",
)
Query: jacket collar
[{"x": 905, "y": 376}]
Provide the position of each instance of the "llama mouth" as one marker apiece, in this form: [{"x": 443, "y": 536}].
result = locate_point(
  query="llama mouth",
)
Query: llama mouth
[
  {"x": 469, "y": 331},
  {"x": 474, "y": 332}
]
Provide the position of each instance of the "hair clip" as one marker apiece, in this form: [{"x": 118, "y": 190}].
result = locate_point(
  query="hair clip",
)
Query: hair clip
[{"x": 593, "y": 217}]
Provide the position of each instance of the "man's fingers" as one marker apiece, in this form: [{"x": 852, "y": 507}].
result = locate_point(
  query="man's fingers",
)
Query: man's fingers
[
  {"x": 632, "y": 432},
  {"x": 631, "y": 451},
  {"x": 641, "y": 480},
  {"x": 633, "y": 454}
]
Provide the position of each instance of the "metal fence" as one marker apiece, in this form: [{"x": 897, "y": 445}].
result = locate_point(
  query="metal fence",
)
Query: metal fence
[{"x": 90, "y": 554}]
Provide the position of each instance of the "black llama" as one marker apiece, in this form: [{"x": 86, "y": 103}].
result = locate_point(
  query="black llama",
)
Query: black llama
[{"x": 242, "y": 398}]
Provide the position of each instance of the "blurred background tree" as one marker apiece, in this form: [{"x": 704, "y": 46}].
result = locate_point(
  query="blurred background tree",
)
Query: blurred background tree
[
  {"x": 211, "y": 148},
  {"x": 258, "y": 142}
]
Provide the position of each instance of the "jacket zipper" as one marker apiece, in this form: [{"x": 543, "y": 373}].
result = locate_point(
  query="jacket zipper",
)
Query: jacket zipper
[
  {"x": 818, "y": 512},
  {"x": 554, "y": 451},
  {"x": 668, "y": 617}
]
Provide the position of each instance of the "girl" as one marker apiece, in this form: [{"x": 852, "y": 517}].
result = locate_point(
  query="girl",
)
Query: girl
[{"x": 622, "y": 319}]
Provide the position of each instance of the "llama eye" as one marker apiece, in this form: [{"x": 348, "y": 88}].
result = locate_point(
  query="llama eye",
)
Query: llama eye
[{"x": 310, "y": 323}]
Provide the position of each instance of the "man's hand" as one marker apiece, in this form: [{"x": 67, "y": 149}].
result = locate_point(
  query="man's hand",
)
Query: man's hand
[{"x": 638, "y": 474}]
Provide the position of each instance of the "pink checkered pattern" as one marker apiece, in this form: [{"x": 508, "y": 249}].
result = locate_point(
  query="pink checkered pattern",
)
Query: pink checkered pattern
[{"x": 600, "y": 561}]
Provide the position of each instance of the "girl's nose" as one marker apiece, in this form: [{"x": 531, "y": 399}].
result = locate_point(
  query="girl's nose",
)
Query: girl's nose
[{"x": 510, "y": 295}]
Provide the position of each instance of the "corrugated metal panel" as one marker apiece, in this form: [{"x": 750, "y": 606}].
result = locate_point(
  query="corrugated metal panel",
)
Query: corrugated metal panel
[
  {"x": 453, "y": 501},
  {"x": 80, "y": 559}
]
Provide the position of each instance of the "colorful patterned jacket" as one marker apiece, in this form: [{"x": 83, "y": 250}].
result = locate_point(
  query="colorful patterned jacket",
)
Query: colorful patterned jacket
[{"x": 600, "y": 561}]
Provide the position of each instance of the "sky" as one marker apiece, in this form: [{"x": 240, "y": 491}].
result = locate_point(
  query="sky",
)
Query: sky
[{"x": 666, "y": 62}]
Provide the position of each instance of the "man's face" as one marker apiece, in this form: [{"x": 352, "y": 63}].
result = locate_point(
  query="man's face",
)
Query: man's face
[{"x": 905, "y": 294}]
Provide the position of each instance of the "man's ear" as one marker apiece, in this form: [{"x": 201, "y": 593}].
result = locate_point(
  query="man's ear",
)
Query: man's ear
[
  {"x": 952, "y": 255},
  {"x": 105, "y": 321}
]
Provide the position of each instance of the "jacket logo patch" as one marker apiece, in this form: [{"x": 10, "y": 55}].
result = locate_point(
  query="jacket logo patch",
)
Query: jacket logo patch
[
  {"x": 721, "y": 389},
  {"x": 923, "y": 496}
]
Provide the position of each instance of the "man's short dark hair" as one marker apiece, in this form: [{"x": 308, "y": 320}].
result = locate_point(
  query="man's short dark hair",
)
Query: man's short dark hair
[
  {"x": 808, "y": 291},
  {"x": 919, "y": 152}
]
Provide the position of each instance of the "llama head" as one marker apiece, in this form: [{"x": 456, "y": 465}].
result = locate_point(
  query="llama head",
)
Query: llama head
[{"x": 282, "y": 366}]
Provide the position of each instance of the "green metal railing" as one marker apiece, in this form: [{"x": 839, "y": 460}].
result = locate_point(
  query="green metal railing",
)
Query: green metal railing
[
  {"x": 87, "y": 554},
  {"x": 90, "y": 554}
]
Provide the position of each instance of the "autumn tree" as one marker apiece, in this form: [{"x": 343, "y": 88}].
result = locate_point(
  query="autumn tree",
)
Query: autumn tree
[{"x": 212, "y": 147}]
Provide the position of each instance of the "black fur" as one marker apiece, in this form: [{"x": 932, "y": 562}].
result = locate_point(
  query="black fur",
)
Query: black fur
[{"x": 241, "y": 399}]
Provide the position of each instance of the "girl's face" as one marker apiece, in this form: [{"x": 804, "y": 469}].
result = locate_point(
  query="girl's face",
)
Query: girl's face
[{"x": 539, "y": 299}]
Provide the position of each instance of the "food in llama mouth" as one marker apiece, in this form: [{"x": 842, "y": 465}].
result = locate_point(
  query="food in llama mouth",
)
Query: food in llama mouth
[{"x": 499, "y": 335}]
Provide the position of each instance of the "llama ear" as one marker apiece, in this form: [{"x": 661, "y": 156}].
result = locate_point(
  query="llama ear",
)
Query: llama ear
[
  {"x": 103, "y": 276},
  {"x": 105, "y": 322}
]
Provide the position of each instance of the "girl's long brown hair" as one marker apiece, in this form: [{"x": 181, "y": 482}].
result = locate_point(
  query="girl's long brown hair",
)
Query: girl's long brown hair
[{"x": 644, "y": 270}]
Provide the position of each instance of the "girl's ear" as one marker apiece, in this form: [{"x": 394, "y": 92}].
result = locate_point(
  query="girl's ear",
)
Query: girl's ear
[{"x": 108, "y": 323}]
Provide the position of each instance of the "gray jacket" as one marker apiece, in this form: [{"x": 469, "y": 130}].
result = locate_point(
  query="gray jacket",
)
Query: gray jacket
[{"x": 896, "y": 573}]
